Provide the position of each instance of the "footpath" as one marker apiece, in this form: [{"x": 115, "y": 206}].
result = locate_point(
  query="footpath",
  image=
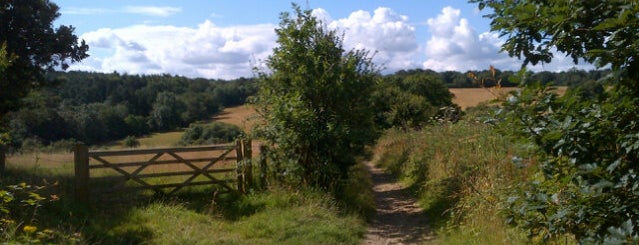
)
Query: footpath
[{"x": 399, "y": 220}]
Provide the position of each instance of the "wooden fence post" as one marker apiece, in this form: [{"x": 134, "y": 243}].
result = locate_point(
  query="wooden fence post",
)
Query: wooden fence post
[
  {"x": 248, "y": 168},
  {"x": 239, "y": 166},
  {"x": 81, "y": 162},
  {"x": 3, "y": 159},
  {"x": 263, "y": 168}
]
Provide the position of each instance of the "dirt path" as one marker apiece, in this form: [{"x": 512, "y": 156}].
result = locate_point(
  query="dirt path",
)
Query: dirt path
[{"x": 398, "y": 220}]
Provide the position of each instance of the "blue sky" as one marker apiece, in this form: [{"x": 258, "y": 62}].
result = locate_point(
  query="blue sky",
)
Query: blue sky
[{"x": 225, "y": 39}]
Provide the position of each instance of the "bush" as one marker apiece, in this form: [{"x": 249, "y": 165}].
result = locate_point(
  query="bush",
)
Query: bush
[
  {"x": 19, "y": 206},
  {"x": 214, "y": 133},
  {"x": 587, "y": 184},
  {"x": 131, "y": 141}
]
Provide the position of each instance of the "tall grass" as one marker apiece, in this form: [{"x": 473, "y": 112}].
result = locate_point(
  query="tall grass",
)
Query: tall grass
[
  {"x": 460, "y": 174},
  {"x": 277, "y": 215}
]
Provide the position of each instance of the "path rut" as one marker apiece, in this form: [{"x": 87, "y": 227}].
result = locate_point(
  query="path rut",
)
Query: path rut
[{"x": 399, "y": 220}]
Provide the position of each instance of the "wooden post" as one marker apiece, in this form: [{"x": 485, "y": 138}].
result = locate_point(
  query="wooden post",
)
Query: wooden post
[
  {"x": 263, "y": 166},
  {"x": 3, "y": 159},
  {"x": 248, "y": 168},
  {"x": 81, "y": 160},
  {"x": 240, "y": 172}
]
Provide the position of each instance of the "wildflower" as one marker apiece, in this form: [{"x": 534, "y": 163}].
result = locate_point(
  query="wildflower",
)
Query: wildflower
[
  {"x": 7, "y": 221},
  {"x": 29, "y": 229}
]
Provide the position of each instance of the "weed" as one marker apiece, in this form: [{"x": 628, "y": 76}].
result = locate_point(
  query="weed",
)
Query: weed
[{"x": 460, "y": 173}]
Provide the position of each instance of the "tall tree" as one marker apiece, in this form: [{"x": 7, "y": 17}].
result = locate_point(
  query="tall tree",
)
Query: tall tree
[
  {"x": 314, "y": 98},
  {"x": 26, "y": 28}
]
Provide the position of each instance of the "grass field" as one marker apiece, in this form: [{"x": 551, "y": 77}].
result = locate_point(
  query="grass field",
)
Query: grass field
[
  {"x": 468, "y": 97},
  {"x": 243, "y": 116}
]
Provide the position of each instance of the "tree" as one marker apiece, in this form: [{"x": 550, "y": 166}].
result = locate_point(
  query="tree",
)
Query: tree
[
  {"x": 33, "y": 46},
  {"x": 166, "y": 112},
  {"x": 601, "y": 32},
  {"x": 587, "y": 185},
  {"x": 314, "y": 98},
  {"x": 409, "y": 99}
]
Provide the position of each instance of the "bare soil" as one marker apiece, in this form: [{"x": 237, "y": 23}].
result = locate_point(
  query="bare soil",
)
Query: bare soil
[{"x": 399, "y": 220}]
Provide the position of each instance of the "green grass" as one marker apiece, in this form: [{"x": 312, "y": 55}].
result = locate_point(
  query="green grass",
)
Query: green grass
[
  {"x": 194, "y": 216},
  {"x": 164, "y": 139},
  {"x": 460, "y": 174},
  {"x": 277, "y": 216}
]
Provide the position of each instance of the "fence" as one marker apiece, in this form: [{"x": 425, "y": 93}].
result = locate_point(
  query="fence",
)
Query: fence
[
  {"x": 166, "y": 163},
  {"x": 3, "y": 159}
]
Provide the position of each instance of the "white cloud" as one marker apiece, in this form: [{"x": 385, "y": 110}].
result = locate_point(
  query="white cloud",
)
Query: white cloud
[
  {"x": 205, "y": 51},
  {"x": 455, "y": 45},
  {"x": 385, "y": 32},
  {"x": 84, "y": 11},
  {"x": 158, "y": 11},
  {"x": 229, "y": 52},
  {"x": 152, "y": 10},
  {"x": 322, "y": 15}
]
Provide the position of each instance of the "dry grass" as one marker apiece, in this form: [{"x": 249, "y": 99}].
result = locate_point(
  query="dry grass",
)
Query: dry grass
[
  {"x": 469, "y": 97},
  {"x": 54, "y": 163},
  {"x": 242, "y": 116},
  {"x": 245, "y": 117}
]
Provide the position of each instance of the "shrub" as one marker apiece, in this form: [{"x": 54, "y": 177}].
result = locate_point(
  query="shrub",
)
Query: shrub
[
  {"x": 131, "y": 141},
  {"x": 19, "y": 206},
  {"x": 214, "y": 133},
  {"x": 587, "y": 184}
]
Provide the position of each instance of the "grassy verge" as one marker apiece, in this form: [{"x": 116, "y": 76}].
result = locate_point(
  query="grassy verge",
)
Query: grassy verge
[
  {"x": 198, "y": 215},
  {"x": 460, "y": 173},
  {"x": 277, "y": 216}
]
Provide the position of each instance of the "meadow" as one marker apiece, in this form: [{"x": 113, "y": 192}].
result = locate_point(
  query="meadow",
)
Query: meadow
[
  {"x": 196, "y": 215},
  {"x": 452, "y": 169}
]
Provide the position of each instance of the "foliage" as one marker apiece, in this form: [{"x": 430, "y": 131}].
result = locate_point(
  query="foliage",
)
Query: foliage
[
  {"x": 602, "y": 33},
  {"x": 96, "y": 108},
  {"x": 166, "y": 112},
  {"x": 131, "y": 141},
  {"x": 315, "y": 100},
  {"x": 409, "y": 101},
  {"x": 213, "y": 133},
  {"x": 355, "y": 193},
  {"x": 458, "y": 79},
  {"x": 586, "y": 185},
  {"x": 19, "y": 206},
  {"x": 32, "y": 44}
]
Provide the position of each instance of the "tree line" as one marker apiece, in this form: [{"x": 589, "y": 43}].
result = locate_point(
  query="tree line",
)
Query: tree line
[
  {"x": 456, "y": 79},
  {"x": 96, "y": 108}
]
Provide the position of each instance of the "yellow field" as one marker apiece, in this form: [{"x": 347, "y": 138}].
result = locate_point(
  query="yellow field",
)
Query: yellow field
[
  {"x": 242, "y": 116},
  {"x": 468, "y": 97}
]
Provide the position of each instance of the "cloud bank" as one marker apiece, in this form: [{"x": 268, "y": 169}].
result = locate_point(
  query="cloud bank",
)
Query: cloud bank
[
  {"x": 212, "y": 51},
  {"x": 206, "y": 51}
]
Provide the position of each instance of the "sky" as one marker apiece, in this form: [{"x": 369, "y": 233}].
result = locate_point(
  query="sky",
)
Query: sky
[{"x": 225, "y": 39}]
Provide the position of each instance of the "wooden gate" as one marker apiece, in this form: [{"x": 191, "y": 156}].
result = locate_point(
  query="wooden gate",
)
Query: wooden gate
[{"x": 164, "y": 170}]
